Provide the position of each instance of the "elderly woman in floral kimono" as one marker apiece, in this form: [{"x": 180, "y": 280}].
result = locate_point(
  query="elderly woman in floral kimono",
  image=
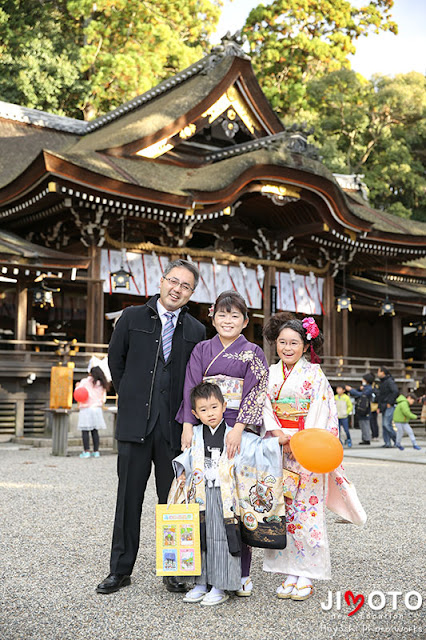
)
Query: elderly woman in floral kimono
[
  {"x": 300, "y": 397},
  {"x": 240, "y": 369}
]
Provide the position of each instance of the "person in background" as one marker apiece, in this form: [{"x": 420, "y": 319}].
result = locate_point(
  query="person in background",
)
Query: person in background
[
  {"x": 90, "y": 417},
  {"x": 388, "y": 393},
  {"x": 363, "y": 406},
  {"x": 374, "y": 423},
  {"x": 401, "y": 416},
  {"x": 147, "y": 356},
  {"x": 344, "y": 410}
]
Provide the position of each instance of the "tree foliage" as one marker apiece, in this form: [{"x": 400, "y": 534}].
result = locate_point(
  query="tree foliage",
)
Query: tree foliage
[
  {"x": 293, "y": 41},
  {"x": 87, "y": 57},
  {"x": 376, "y": 128}
]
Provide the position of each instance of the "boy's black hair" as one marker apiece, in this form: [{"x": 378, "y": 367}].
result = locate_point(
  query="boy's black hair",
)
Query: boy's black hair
[
  {"x": 369, "y": 378},
  {"x": 204, "y": 391},
  {"x": 412, "y": 395},
  {"x": 340, "y": 386}
]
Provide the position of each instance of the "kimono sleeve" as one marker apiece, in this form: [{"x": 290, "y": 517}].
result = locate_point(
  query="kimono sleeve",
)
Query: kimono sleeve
[
  {"x": 193, "y": 376},
  {"x": 254, "y": 389},
  {"x": 322, "y": 412}
]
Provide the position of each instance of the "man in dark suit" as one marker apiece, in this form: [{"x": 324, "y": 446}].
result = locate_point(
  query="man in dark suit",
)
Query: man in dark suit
[{"x": 147, "y": 356}]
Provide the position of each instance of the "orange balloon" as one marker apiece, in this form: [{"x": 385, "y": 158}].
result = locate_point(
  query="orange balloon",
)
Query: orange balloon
[{"x": 317, "y": 450}]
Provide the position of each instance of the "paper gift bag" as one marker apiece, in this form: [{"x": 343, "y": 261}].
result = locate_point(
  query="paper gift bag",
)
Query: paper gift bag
[{"x": 177, "y": 532}]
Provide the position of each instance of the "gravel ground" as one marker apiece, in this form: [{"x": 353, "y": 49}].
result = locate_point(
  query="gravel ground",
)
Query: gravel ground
[{"x": 55, "y": 537}]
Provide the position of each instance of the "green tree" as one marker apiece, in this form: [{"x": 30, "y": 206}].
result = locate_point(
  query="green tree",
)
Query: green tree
[
  {"x": 85, "y": 57},
  {"x": 376, "y": 128},
  {"x": 293, "y": 41}
]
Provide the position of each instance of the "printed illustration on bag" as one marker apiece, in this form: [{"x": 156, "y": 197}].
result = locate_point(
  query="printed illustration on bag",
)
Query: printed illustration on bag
[
  {"x": 170, "y": 560},
  {"x": 187, "y": 559},
  {"x": 261, "y": 497},
  {"x": 186, "y": 536},
  {"x": 169, "y": 536}
]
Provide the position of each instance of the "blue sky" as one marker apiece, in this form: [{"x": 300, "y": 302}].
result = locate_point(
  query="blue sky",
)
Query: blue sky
[{"x": 383, "y": 53}]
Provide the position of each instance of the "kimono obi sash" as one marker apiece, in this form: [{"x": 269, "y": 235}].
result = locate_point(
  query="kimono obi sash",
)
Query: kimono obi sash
[
  {"x": 291, "y": 412},
  {"x": 232, "y": 389}
]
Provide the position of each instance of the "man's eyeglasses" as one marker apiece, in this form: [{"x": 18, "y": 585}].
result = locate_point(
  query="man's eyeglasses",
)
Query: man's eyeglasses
[{"x": 177, "y": 283}]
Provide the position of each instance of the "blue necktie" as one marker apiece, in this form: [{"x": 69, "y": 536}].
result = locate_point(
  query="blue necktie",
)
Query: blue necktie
[{"x": 168, "y": 331}]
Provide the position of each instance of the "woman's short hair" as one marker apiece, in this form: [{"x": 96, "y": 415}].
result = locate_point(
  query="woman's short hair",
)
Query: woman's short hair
[{"x": 228, "y": 299}]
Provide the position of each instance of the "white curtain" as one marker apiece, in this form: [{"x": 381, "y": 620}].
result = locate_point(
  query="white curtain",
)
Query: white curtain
[
  {"x": 147, "y": 269},
  {"x": 302, "y": 294}
]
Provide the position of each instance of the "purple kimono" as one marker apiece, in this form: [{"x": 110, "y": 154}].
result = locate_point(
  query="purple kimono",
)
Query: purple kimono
[{"x": 241, "y": 359}]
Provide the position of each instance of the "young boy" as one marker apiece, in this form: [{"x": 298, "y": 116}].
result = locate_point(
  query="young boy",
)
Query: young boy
[
  {"x": 401, "y": 416},
  {"x": 210, "y": 479},
  {"x": 344, "y": 409}
]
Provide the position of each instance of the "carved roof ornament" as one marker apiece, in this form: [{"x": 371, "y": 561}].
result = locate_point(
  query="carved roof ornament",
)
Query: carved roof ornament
[{"x": 230, "y": 45}]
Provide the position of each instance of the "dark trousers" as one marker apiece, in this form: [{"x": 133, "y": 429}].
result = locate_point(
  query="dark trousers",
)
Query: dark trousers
[
  {"x": 86, "y": 440},
  {"x": 134, "y": 468},
  {"x": 374, "y": 425}
]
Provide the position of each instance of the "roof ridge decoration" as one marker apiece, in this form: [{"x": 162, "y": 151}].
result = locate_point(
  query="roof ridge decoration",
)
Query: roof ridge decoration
[
  {"x": 295, "y": 140},
  {"x": 230, "y": 45},
  {"x": 11, "y": 111}
]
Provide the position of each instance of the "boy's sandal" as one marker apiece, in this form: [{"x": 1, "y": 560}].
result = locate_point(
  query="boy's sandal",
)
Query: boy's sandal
[
  {"x": 194, "y": 595},
  {"x": 284, "y": 591},
  {"x": 211, "y": 600},
  {"x": 246, "y": 589},
  {"x": 303, "y": 593}
]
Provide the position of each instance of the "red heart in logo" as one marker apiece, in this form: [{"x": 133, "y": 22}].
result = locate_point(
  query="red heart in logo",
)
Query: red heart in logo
[{"x": 352, "y": 600}]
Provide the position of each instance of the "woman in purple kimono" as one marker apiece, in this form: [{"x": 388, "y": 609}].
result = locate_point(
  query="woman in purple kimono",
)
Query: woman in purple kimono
[{"x": 240, "y": 369}]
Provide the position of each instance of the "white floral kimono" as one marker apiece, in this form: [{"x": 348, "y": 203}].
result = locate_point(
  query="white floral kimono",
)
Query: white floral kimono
[{"x": 307, "y": 552}]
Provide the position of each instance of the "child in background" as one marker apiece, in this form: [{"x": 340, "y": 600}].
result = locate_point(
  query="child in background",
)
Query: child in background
[
  {"x": 344, "y": 410},
  {"x": 90, "y": 417},
  {"x": 401, "y": 416}
]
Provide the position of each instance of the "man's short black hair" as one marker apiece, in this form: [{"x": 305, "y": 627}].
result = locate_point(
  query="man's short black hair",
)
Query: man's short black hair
[{"x": 204, "y": 391}]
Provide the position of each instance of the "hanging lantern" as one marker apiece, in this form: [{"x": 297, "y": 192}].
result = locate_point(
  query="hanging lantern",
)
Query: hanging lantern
[
  {"x": 387, "y": 308},
  {"x": 120, "y": 279},
  {"x": 43, "y": 296},
  {"x": 344, "y": 302}
]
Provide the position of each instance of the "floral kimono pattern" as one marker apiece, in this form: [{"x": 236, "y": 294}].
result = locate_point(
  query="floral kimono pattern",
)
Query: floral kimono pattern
[
  {"x": 242, "y": 359},
  {"x": 307, "y": 552}
]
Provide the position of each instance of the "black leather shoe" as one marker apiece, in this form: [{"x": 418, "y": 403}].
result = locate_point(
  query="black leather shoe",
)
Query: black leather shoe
[
  {"x": 172, "y": 584},
  {"x": 112, "y": 583},
  {"x": 365, "y": 442}
]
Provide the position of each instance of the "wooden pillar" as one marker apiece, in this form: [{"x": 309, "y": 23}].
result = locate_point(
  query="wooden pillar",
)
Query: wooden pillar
[
  {"x": 345, "y": 333},
  {"x": 21, "y": 313},
  {"x": 268, "y": 282},
  {"x": 95, "y": 299},
  {"x": 396, "y": 338},
  {"x": 329, "y": 320}
]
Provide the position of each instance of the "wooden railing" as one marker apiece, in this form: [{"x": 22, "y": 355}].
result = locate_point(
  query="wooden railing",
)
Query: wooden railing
[{"x": 20, "y": 356}]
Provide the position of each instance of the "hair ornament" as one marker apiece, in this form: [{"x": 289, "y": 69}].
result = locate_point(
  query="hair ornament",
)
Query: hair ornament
[{"x": 311, "y": 328}]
